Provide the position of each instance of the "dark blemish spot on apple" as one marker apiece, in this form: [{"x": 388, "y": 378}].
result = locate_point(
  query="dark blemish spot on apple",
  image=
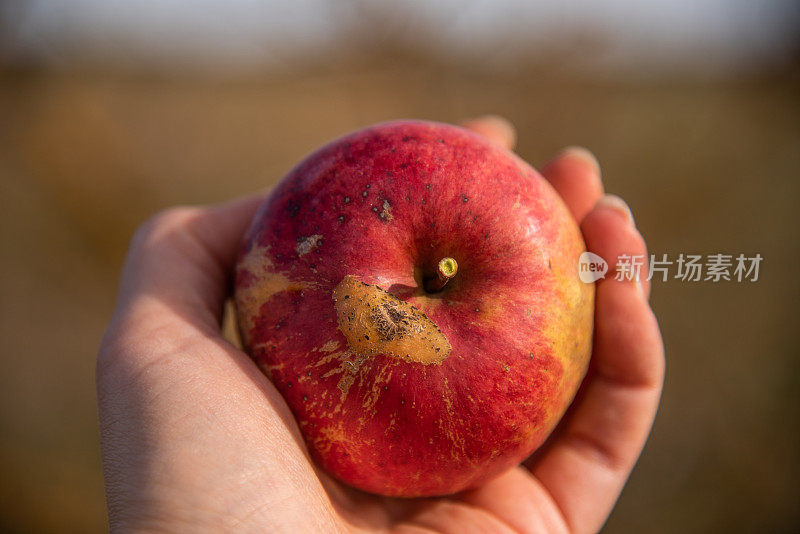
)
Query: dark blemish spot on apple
[
  {"x": 293, "y": 209},
  {"x": 364, "y": 194},
  {"x": 289, "y": 384},
  {"x": 486, "y": 236},
  {"x": 366, "y": 337},
  {"x": 506, "y": 367},
  {"x": 375, "y": 209},
  {"x": 309, "y": 373},
  {"x": 389, "y": 173},
  {"x": 423, "y": 201},
  {"x": 549, "y": 263},
  {"x": 474, "y": 218},
  {"x": 391, "y": 321},
  {"x": 386, "y": 388},
  {"x": 440, "y": 141},
  {"x": 464, "y": 198},
  {"x": 347, "y": 200},
  {"x": 433, "y": 225},
  {"x": 340, "y": 219},
  {"x": 386, "y": 214},
  {"x": 368, "y": 186},
  {"x": 307, "y": 244},
  {"x": 530, "y": 354},
  {"x": 305, "y": 398},
  {"x": 347, "y": 296},
  {"x": 408, "y": 199},
  {"x": 427, "y": 186},
  {"x": 403, "y": 165}
]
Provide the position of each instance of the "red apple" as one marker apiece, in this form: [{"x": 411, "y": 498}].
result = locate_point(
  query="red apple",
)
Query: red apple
[{"x": 405, "y": 380}]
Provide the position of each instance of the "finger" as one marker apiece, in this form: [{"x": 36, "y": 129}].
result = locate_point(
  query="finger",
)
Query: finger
[
  {"x": 494, "y": 128},
  {"x": 575, "y": 174},
  {"x": 616, "y": 204},
  {"x": 183, "y": 256},
  {"x": 588, "y": 460}
]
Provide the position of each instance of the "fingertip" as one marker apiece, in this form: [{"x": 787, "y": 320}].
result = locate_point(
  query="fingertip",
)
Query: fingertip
[
  {"x": 617, "y": 205},
  {"x": 582, "y": 154},
  {"x": 495, "y": 128},
  {"x": 575, "y": 174}
]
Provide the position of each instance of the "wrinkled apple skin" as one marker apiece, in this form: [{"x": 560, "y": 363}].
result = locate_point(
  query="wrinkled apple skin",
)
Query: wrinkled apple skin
[{"x": 384, "y": 205}]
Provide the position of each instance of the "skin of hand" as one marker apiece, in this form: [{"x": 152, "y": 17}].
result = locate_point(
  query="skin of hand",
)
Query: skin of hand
[{"x": 195, "y": 438}]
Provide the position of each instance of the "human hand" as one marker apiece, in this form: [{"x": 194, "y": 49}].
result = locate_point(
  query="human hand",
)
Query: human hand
[{"x": 194, "y": 437}]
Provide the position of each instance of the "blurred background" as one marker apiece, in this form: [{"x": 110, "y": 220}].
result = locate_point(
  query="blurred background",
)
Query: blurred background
[{"x": 111, "y": 110}]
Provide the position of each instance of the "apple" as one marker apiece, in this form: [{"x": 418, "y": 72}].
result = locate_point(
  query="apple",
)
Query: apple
[{"x": 412, "y": 291}]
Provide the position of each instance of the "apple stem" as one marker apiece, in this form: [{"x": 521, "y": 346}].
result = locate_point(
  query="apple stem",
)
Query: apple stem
[{"x": 447, "y": 269}]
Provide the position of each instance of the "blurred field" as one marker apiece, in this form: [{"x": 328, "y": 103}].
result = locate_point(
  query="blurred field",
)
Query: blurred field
[{"x": 706, "y": 166}]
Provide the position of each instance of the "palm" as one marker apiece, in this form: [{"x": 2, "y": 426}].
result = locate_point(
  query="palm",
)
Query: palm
[{"x": 193, "y": 434}]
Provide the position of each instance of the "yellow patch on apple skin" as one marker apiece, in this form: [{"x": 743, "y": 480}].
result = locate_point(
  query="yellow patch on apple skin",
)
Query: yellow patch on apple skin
[
  {"x": 382, "y": 378},
  {"x": 450, "y": 420},
  {"x": 570, "y": 330},
  {"x": 342, "y": 437},
  {"x": 376, "y": 322},
  {"x": 349, "y": 369},
  {"x": 265, "y": 285},
  {"x": 330, "y": 346}
]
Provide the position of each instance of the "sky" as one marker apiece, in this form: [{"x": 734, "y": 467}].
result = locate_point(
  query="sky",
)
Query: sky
[{"x": 727, "y": 34}]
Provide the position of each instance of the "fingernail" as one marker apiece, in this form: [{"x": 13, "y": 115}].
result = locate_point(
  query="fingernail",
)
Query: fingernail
[
  {"x": 583, "y": 154},
  {"x": 613, "y": 202}
]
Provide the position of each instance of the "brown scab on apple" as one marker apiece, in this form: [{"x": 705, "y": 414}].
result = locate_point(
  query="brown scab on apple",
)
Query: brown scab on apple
[{"x": 376, "y": 322}]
